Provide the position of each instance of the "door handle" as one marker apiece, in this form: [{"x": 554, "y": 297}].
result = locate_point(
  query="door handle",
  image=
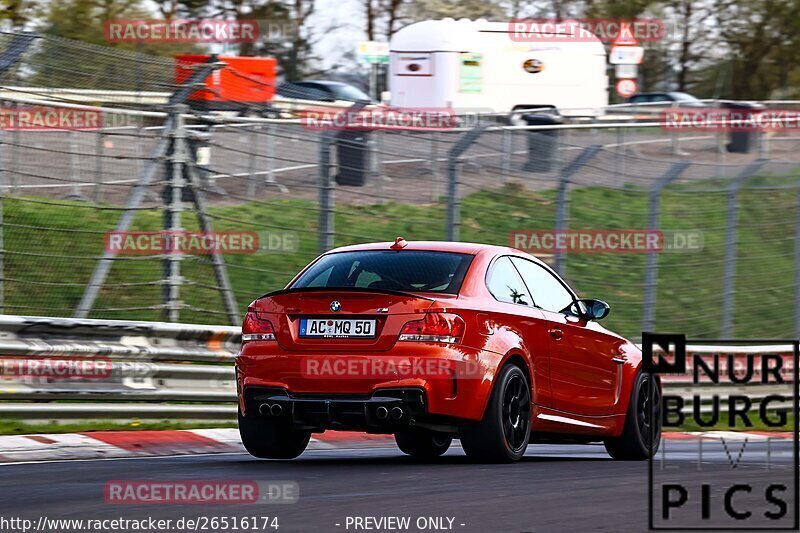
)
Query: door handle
[
  {"x": 556, "y": 333},
  {"x": 619, "y": 360}
]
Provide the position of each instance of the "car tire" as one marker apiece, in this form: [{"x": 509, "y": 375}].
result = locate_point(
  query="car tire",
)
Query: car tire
[
  {"x": 422, "y": 443},
  {"x": 634, "y": 442},
  {"x": 267, "y": 438},
  {"x": 503, "y": 433}
]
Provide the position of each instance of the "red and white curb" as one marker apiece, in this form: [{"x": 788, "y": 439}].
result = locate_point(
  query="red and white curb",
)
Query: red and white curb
[
  {"x": 117, "y": 444},
  {"x": 120, "y": 444}
]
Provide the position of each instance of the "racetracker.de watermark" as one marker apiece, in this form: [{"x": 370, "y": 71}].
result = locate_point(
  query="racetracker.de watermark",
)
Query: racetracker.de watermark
[
  {"x": 414, "y": 119},
  {"x": 607, "y": 30},
  {"x": 606, "y": 241},
  {"x": 390, "y": 368},
  {"x": 199, "y": 242},
  {"x": 55, "y": 118},
  {"x": 182, "y": 492},
  {"x": 55, "y": 367},
  {"x": 728, "y": 120},
  {"x": 49, "y": 118},
  {"x": 181, "y": 31}
]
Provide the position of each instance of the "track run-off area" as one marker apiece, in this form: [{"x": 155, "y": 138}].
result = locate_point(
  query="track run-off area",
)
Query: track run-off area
[{"x": 377, "y": 488}]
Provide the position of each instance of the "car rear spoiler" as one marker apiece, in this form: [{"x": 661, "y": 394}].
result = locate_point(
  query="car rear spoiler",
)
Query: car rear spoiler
[{"x": 344, "y": 289}]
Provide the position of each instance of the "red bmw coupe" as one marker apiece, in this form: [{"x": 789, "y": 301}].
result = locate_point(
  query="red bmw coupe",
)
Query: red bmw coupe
[{"x": 432, "y": 341}]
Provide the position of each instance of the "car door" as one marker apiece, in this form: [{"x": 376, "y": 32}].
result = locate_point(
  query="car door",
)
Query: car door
[
  {"x": 514, "y": 309},
  {"x": 584, "y": 376}
]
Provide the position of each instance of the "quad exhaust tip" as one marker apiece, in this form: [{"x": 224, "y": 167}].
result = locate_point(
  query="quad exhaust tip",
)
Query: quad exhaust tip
[
  {"x": 381, "y": 412},
  {"x": 397, "y": 413}
]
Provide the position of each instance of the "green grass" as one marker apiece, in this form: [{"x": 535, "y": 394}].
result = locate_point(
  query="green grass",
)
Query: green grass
[
  {"x": 689, "y": 284},
  {"x": 17, "y": 427}
]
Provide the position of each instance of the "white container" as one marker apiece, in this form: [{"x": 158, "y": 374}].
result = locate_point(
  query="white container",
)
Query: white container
[{"x": 476, "y": 66}]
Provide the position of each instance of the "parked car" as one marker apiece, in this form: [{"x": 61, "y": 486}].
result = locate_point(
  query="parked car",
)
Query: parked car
[
  {"x": 432, "y": 341},
  {"x": 667, "y": 99},
  {"x": 294, "y": 97}
]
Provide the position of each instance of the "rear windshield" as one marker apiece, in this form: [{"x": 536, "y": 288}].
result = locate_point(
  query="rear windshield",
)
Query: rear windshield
[{"x": 407, "y": 270}]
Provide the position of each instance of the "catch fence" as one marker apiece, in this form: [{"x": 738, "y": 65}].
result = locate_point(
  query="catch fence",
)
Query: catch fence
[{"x": 728, "y": 262}]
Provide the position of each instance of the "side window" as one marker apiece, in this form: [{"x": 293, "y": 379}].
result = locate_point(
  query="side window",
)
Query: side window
[
  {"x": 505, "y": 284},
  {"x": 547, "y": 291}
]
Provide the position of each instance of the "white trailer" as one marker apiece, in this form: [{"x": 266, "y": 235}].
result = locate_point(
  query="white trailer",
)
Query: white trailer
[{"x": 477, "y": 66}]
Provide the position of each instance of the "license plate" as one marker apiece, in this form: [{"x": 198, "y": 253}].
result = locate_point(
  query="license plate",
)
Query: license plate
[{"x": 341, "y": 328}]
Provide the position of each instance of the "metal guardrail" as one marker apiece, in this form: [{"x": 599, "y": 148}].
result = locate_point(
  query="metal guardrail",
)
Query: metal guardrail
[
  {"x": 145, "y": 369},
  {"x": 158, "y": 370}
]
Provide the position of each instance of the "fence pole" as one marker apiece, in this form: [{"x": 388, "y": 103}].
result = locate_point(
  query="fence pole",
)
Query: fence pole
[
  {"x": 146, "y": 176},
  {"x": 651, "y": 265},
  {"x": 797, "y": 266},
  {"x": 270, "y": 153},
  {"x": 507, "y": 153},
  {"x": 453, "y": 215},
  {"x": 173, "y": 209},
  {"x": 74, "y": 167},
  {"x": 562, "y": 203},
  {"x": 3, "y": 190},
  {"x": 729, "y": 272},
  {"x": 251, "y": 166},
  {"x": 16, "y": 141},
  {"x": 435, "y": 178},
  {"x": 326, "y": 199},
  {"x": 99, "y": 149},
  {"x": 220, "y": 269},
  {"x": 676, "y": 141},
  {"x": 103, "y": 267}
]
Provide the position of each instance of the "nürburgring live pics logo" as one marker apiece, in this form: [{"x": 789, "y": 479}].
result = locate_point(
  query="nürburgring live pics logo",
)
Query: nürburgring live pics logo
[{"x": 743, "y": 475}]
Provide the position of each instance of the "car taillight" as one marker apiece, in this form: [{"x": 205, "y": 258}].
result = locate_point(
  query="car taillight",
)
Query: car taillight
[
  {"x": 435, "y": 327},
  {"x": 255, "y": 328}
]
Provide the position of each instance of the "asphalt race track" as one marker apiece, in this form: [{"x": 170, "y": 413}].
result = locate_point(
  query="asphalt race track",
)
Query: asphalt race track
[{"x": 554, "y": 488}]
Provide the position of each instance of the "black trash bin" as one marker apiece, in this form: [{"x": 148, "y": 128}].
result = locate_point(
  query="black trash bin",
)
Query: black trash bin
[
  {"x": 542, "y": 143},
  {"x": 743, "y": 140},
  {"x": 352, "y": 150}
]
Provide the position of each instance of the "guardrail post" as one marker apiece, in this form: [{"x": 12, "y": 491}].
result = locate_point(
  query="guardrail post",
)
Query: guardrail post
[
  {"x": 562, "y": 202},
  {"x": 651, "y": 265},
  {"x": 326, "y": 200},
  {"x": 453, "y": 215},
  {"x": 729, "y": 273},
  {"x": 172, "y": 214}
]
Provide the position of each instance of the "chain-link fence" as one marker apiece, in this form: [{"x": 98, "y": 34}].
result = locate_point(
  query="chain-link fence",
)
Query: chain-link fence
[{"x": 726, "y": 222}]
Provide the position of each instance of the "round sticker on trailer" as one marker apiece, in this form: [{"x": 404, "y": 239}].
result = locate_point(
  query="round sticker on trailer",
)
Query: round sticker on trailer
[
  {"x": 626, "y": 88},
  {"x": 532, "y": 66}
]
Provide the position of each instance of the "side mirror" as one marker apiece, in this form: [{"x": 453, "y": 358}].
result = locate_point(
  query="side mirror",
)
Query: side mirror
[{"x": 591, "y": 309}]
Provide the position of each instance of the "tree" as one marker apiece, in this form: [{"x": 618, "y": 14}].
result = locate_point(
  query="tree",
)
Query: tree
[
  {"x": 471, "y": 9},
  {"x": 763, "y": 41},
  {"x": 18, "y": 13}
]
